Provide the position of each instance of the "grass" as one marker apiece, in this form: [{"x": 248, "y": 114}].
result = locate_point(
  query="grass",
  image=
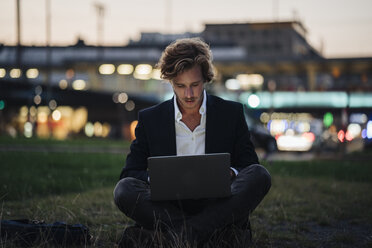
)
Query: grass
[
  {"x": 96, "y": 142},
  {"x": 35, "y": 174},
  {"x": 322, "y": 203}
]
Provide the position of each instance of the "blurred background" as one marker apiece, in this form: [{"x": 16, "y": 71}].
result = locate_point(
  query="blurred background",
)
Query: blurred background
[{"x": 303, "y": 69}]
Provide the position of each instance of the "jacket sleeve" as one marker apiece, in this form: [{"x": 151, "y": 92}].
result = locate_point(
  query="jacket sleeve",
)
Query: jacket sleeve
[
  {"x": 136, "y": 162},
  {"x": 244, "y": 152}
]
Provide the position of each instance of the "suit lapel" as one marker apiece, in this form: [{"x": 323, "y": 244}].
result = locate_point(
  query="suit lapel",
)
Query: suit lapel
[
  {"x": 169, "y": 129},
  {"x": 211, "y": 131}
]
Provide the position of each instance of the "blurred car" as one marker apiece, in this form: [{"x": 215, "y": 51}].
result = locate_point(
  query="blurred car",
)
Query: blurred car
[{"x": 260, "y": 136}]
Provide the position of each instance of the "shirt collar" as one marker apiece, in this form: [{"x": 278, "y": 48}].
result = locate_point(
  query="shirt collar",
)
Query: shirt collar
[{"x": 202, "y": 109}]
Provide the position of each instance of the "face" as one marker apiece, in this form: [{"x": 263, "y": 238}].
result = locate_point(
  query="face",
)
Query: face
[{"x": 188, "y": 87}]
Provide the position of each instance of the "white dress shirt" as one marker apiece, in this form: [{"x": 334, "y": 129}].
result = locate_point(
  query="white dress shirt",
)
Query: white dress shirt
[{"x": 191, "y": 142}]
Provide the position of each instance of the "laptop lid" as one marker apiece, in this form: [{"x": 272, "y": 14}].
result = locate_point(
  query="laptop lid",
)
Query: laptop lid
[{"x": 189, "y": 177}]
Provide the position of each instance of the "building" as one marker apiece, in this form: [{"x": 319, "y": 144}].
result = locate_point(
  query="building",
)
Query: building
[
  {"x": 264, "y": 40},
  {"x": 271, "y": 60}
]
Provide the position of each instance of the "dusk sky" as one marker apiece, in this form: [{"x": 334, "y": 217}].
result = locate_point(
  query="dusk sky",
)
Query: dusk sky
[{"x": 342, "y": 27}]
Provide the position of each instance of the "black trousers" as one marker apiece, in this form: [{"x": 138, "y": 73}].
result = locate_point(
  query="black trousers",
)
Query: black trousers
[{"x": 200, "y": 217}]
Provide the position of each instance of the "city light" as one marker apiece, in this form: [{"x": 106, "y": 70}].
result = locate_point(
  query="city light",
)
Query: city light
[
  {"x": 253, "y": 101},
  {"x": 143, "y": 69},
  {"x": 369, "y": 129},
  {"x": 243, "y": 80},
  {"x": 32, "y": 73},
  {"x": 264, "y": 117},
  {"x": 23, "y": 111},
  {"x": 78, "y": 118},
  {"x": 27, "y": 129},
  {"x": 97, "y": 127},
  {"x": 106, "y": 128},
  {"x": 63, "y": 84},
  {"x": 364, "y": 133},
  {"x": 232, "y": 84},
  {"x": 156, "y": 74},
  {"x": 286, "y": 99},
  {"x": 248, "y": 81},
  {"x": 43, "y": 127},
  {"x": 303, "y": 127},
  {"x": 15, "y": 73},
  {"x": 78, "y": 84},
  {"x": 310, "y": 136},
  {"x": 52, "y": 104},
  {"x": 294, "y": 143},
  {"x": 130, "y": 105},
  {"x": 89, "y": 129},
  {"x": 256, "y": 80},
  {"x": 328, "y": 119},
  {"x": 125, "y": 69},
  {"x": 115, "y": 97},
  {"x": 2, "y": 72},
  {"x": 143, "y": 72},
  {"x": 38, "y": 90},
  {"x": 354, "y": 130},
  {"x": 133, "y": 126},
  {"x": 70, "y": 73},
  {"x": 358, "y": 118},
  {"x": 348, "y": 136},
  {"x": 123, "y": 97},
  {"x": 56, "y": 115},
  {"x": 42, "y": 117},
  {"x": 33, "y": 111},
  {"x": 341, "y": 136},
  {"x": 37, "y": 99},
  {"x": 277, "y": 127},
  {"x": 106, "y": 69},
  {"x": 2, "y": 104}
]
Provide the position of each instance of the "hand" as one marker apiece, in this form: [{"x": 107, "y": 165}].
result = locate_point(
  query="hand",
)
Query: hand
[{"x": 232, "y": 174}]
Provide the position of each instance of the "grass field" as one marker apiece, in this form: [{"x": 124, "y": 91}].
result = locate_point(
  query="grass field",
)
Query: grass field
[{"x": 322, "y": 203}]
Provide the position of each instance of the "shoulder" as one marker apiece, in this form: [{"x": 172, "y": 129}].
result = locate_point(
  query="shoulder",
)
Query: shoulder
[
  {"x": 218, "y": 102},
  {"x": 156, "y": 110}
]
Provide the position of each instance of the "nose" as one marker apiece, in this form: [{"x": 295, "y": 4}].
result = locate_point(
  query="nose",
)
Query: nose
[{"x": 189, "y": 92}]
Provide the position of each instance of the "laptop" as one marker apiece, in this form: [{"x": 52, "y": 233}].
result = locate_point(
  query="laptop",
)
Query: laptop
[{"x": 189, "y": 177}]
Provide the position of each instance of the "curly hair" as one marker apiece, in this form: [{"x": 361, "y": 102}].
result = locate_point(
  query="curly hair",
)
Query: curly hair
[{"x": 183, "y": 54}]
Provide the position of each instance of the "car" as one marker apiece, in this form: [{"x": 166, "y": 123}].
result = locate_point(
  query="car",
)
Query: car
[{"x": 260, "y": 136}]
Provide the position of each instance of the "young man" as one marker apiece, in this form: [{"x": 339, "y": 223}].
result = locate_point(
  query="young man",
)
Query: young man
[{"x": 192, "y": 122}]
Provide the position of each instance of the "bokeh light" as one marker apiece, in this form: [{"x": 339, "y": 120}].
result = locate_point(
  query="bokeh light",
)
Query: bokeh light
[
  {"x": 2, "y": 72},
  {"x": 106, "y": 69},
  {"x": 328, "y": 119},
  {"x": 15, "y": 73},
  {"x": 253, "y": 101},
  {"x": 78, "y": 84},
  {"x": 56, "y": 115},
  {"x": 125, "y": 69},
  {"x": 63, "y": 84},
  {"x": 89, "y": 129},
  {"x": 130, "y": 105},
  {"x": 27, "y": 129},
  {"x": 32, "y": 73}
]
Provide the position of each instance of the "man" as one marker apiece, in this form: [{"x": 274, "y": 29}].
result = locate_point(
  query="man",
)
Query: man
[{"x": 192, "y": 122}]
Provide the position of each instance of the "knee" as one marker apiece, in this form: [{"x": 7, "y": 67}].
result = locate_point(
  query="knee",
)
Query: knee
[
  {"x": 262, "y": 175},
  {"x": 124, "y": 192}
]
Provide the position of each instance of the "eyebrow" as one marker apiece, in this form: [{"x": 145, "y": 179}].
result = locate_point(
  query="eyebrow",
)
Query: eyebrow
[{"x": 200, "y": 81}]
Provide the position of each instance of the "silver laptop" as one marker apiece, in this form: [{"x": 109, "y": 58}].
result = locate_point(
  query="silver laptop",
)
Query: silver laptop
[{"x": 189, "y": 177}]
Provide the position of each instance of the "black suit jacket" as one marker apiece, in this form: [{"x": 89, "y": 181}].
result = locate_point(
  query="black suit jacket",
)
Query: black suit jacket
[{"x": 226, "y": 131}]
